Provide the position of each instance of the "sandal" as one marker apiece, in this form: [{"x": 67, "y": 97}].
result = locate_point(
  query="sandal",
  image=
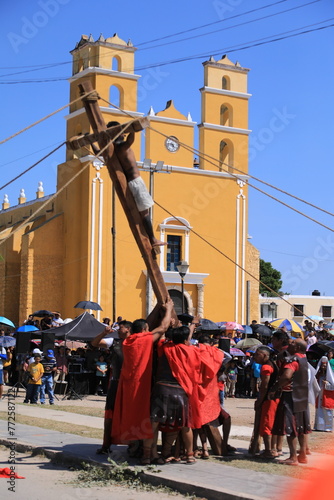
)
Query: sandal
[
  {"x": 103, "y": 451},
  {"x": 191, "y": 460},
  {"x": 158, "y": 461},
  {"x": 205, "y": 455},
  {"x": 288, "y": 461},
  {"x": 267, "y": 455},
  {"x": 145, "y": 461}
]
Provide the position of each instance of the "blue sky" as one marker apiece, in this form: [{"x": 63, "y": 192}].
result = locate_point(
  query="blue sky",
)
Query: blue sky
[{"x": 291, "y": 109}]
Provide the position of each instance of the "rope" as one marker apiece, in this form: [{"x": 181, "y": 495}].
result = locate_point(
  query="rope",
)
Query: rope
[
  {"x": 39, "y": 209},
  {"x": 45, "y": 118},
  {"x": 230, "y": 259},
  {"x": 32, "y": 166}
]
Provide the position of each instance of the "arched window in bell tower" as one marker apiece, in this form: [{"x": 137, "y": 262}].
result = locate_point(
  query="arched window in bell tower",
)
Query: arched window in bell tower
[
  {"x": 226, "y": 156},
  {"x": 116, "y": 96},
  {"x": 116, "y": 63},
  {"x": 225, "y": 83},
  {"x": 80, "y": 65},
  {"x": 226, "y": 115}
]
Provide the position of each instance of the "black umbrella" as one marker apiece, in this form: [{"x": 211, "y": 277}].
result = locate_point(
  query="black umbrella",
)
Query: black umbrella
[
  {"x": 42, "y": 313},
  {"x": 206, "y": 325},
  {"x": 263, "y": 330},
  {"x": 185, "y": 318},
  {"x": 88, "y": 304}
]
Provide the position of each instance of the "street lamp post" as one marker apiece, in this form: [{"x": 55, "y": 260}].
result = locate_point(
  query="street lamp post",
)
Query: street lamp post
[
  {"x": 272, "y": 306},
  {"x": 182, "y": 268}
]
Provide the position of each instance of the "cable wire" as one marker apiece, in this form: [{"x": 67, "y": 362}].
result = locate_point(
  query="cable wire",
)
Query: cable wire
[
  {"x": 225, "y": 28},
  {"x": 32, "y": 166}
]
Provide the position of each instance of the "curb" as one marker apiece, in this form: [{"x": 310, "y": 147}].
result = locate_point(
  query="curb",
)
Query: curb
[{"x": 147, "y": 477}]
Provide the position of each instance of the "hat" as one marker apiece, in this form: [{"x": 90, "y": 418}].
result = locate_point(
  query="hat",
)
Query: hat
[
  {"x": 50, "y": 353},
  {"x": 37, "y": 351}
]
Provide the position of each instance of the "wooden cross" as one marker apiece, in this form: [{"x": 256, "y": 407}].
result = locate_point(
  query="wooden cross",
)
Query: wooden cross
[{"x": 103, "y": 136}]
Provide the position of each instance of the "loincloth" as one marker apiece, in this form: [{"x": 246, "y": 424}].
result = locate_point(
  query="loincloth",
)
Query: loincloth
[{"x": 141, "y": 196}]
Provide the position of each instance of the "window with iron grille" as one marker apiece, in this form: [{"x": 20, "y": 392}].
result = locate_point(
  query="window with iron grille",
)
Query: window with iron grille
[
  {"x": 327, "y": 311},
  {"x": 300, "y": 310}
]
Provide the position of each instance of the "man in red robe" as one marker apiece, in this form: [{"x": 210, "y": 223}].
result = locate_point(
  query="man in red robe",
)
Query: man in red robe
[{"x": 131, "y": 418}]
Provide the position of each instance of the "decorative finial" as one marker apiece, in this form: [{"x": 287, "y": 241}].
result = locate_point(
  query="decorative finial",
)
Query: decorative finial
[
  {"x": 5, "y": 198},
  {"x": 22, "y": 193},
  {"x": 130, "y": 44},
  {"x": 189, "y": 118},
  {"x": 101, "y": 38},
  {"x": 40, "y": 188},
  {"x": 151, "y": 112},
  {"x": 91, "y": 39},
  {"x": 212, "y": 59}
]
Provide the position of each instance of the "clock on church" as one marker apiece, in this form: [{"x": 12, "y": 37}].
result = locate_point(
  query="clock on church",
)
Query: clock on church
[{"x": 172, "y": 144}]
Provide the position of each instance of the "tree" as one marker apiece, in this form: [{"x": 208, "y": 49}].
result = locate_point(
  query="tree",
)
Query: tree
[{"x": 271, "y": 277}]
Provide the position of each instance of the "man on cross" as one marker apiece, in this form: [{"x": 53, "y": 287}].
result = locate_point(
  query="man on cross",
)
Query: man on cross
[{"x": 136, "y": 184}]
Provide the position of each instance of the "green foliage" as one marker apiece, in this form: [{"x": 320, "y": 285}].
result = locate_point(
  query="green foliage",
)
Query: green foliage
[{"x": 271, "y": 277}]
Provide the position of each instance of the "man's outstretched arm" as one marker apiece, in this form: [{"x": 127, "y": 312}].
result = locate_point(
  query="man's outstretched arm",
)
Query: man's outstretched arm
[{"x": 162, "y": 328}]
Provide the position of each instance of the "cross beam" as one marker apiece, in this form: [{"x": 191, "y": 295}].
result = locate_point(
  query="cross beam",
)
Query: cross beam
[
  {"x": 124, "y": 194},
  {"x": 79, "y": 141}
]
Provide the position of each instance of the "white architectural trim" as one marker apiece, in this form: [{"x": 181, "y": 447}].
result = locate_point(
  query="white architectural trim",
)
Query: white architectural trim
[
  {"x": 173, "y": 277},
  {"x": 186, "y": 225},
  {"x": 243, "y": 260},
  {"x": 237, "y": 270},
  {"x": 229, "y": 93},
  {"x": 177, "y": 121},
  {"x": 222, "y": 128},
  {"x": 104, "y": 109},
  {"x": 103, "y": 71}
]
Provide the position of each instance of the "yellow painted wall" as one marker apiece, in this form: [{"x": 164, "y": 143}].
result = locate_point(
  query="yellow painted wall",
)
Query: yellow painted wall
[{"x": 206, "y": 200}]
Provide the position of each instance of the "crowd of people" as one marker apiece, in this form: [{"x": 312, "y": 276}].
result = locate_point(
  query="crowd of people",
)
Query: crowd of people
[{"x": 175, "y": 379}]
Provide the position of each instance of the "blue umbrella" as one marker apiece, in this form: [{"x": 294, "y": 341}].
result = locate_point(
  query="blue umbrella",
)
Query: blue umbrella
[
  {"x": 7, "y": 341},
  {"x": 247, "y": 329},
  {"x": 6, "y": 321},
  {"x": 27, "y": 328}
]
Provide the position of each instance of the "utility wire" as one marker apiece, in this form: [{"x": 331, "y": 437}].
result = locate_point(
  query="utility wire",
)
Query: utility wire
[
  {"x": 32, "y": 166},
  {"x": 234, "y": 48},
  {"x": 46, "y": 66},
  {"x": 30, "y": 154},
  {"x": 209, "y": 24},
  {"x": 225, "y": 28}
]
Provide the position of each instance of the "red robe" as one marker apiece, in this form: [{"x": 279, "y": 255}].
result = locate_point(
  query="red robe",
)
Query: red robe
[
  {"x": 195, "y": 369},
  {"x": 131, "y": 418}
]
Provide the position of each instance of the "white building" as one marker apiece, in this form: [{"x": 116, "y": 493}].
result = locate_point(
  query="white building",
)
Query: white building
[{"x": 296, "y": 306}]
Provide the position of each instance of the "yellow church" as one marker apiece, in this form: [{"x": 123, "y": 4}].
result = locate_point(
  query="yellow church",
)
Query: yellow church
[{"x": 76, "y": 244}]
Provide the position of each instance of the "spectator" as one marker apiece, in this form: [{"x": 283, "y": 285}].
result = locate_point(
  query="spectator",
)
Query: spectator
[
  {"x": 7, "y": 365},
  {"x": 36, "y": 371},
  {"x": 231, "y": 380},
  {"x": 3, "y": 357},
  {"x": 62, "y": 365},
  {"x": 50, "y": 367},
  {"x": 57, "y": 320},
  {"x": 101, "y": 375}
]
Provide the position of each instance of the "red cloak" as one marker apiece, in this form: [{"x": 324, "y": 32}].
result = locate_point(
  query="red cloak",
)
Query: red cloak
[
  {"x": 195, "y": 369},
  {"x": 131, "y": 418}
]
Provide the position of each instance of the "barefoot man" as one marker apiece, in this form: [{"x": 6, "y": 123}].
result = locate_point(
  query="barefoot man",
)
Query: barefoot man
[{"x": 136, "y": 184}]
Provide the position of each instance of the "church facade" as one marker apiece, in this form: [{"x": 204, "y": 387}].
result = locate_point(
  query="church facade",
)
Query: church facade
[{"x": 80, "y": 237}]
